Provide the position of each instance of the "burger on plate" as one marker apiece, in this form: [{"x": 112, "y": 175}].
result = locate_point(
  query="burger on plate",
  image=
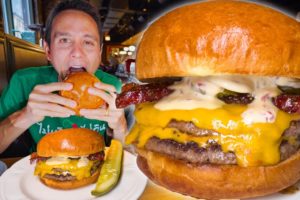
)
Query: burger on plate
[
  {"x": 230, "y": 127},
  {"x": 69, "y": 158},
  {"x": 81, "y": 81}
]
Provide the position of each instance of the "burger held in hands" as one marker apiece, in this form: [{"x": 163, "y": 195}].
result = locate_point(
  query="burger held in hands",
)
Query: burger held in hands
[
  {"x": 95, "y": 100},
  {"x": 69, "y": 158},
  {"x": 230, "y": 127},
  {"x": 81, "y": 82}
]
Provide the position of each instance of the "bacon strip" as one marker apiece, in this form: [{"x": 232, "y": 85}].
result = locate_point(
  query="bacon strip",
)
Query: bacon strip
[
  {"x": 35, "y": 158},
  {"x": 288, "y": 103},
  {"x": 133, "y": 93},
  {"x": 96, "y": 156}
]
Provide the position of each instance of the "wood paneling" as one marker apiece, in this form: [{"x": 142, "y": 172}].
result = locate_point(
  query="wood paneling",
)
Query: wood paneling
[
  {"x": 1, "y": 19},
  {"x": 3, "y": 64},
  {"x": 22, "y": 54},
  {"x": 17, "y": 54}
]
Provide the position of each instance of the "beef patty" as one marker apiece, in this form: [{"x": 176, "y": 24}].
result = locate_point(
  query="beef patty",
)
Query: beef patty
[
  {"x": 66, "y": 176},
  {"x": 213, "y": 153}
]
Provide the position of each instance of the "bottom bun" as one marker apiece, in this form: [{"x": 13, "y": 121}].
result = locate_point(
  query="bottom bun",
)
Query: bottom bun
[
  {"x": 218, "y": 181},
  {"x": 65, "y": 185}
]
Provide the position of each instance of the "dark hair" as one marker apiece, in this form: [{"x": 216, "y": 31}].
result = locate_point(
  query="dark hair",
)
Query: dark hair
[{"x": 79, "y": 5}]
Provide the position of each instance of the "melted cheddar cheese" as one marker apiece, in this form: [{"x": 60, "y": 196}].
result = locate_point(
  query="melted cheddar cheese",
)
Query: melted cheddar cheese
[
  {"x": 43, "y": 168},
  {"x": 253, "y": 144}
]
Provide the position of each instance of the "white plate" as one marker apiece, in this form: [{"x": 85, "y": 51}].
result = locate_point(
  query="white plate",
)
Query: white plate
[{"x": 19, "y": 183}]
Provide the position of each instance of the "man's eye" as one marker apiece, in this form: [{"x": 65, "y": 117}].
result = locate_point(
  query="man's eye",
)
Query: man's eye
[
  {"x": 89, "y": 43},
  {"x": 64, "y": 40}
]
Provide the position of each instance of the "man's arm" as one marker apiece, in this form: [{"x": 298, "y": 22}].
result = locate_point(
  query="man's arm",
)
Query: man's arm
[
  {"x": 12, "y": 127},
  {"x": 119, "y": 130},
  {"x": 42, "y": 102}
]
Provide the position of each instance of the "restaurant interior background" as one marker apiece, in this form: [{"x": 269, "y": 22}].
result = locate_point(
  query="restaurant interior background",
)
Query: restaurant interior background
[{"x": 123, "y": 22}]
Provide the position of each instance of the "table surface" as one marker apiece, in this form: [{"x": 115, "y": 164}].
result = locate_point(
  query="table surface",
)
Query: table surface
[{"x": 152, "y": 191}]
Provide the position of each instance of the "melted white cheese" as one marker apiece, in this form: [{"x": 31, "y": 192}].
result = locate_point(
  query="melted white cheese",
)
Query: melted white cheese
[
  {"x": 291, "y": 82},
  {"x": 57, "y": 161},
  {"x": 262, "y": 108},
  {"x": 83, "y": 161},
  {"x": 200, "y": 92},
  {"x": 191, "y": 94},
  {"x": 240, "y": 84}
]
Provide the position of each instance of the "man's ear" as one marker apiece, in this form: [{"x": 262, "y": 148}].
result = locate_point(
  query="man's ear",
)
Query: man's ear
[{"x": 47, "y": 50}]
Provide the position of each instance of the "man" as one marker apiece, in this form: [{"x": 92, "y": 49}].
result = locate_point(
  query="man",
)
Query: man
[{"x": 72, "y": 43}]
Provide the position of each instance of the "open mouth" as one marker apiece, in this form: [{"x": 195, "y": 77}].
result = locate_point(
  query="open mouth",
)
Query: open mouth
[{"x": 74, "y": 69}]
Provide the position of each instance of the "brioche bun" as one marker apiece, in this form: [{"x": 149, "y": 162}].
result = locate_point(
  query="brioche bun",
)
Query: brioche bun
[
  {"x": 218, "y": 181},
  {"x": 70, "y": 142},
  {"x": 207, "y": 39},
  {"x": 220, "y": 37},
  {"x": 73, "y": 142},
  {"x": 81, "y": 82},
  {"x": 66, "y": 185}
]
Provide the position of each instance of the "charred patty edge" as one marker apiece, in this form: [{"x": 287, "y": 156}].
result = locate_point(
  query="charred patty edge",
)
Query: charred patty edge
[{"x": 212, "y": 153}]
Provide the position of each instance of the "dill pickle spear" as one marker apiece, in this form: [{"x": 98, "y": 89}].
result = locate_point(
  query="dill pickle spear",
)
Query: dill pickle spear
[{"x": 111, "y": 169}]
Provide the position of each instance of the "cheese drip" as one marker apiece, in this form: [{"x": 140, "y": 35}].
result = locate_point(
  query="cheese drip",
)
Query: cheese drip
[{"x": 254, "y": 144}]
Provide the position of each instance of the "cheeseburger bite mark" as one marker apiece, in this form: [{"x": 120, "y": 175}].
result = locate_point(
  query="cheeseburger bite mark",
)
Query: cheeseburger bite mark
[{"x": 74, "y": 69}]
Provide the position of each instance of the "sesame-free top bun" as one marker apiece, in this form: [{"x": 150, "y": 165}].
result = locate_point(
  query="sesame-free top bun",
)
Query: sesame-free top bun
[
  {"x": 70, "y": 142},
  {"x": 81, "y": 82},
  {"x": 220, "y": 37}
]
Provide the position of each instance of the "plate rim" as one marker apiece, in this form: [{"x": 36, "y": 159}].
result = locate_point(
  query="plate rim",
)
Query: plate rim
[{"x": 23, "y": 165}]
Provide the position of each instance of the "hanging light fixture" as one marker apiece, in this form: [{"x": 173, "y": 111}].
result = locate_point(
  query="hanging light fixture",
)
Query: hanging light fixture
[{"x": 107, "y": 38}]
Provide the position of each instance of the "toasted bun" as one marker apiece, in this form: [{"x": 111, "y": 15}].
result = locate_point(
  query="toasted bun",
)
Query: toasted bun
[
  {"x": 218, "y": 181},
  {"x": 220, "y": 37},
  {"x": 65, "y": 185},
  {"x": 70, "y": 142},
  {"x": 81, "y": 82}
]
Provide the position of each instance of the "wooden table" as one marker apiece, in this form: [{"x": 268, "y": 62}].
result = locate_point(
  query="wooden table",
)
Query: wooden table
[
  {"x": 151, "y": 192},
  {"x": 10, "y": 161}
]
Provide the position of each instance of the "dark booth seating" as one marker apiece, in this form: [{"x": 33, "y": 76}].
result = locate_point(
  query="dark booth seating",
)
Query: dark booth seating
[{"x": 17, "y": 54}]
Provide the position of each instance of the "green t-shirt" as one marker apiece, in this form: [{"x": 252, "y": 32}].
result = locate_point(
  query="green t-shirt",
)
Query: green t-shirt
[{"x": 16, "y": 94}]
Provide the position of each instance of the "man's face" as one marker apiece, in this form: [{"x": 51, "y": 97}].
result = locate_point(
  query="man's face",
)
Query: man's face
[{"x": 75, "y": 43}]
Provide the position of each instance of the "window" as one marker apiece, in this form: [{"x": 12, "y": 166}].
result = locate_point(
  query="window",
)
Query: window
[{"x": 18, "y": 16}]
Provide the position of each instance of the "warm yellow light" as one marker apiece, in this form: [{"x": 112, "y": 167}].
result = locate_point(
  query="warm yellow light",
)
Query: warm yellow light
[
  {"x": 122, "y": 53},
  {"x": 107, "y": 38},
  {"x": 131, "y": 48}
]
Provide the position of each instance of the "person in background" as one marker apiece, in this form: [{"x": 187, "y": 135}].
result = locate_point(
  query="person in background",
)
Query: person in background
[
  {"x": 31, "y": 101},
  {"x": 112, "y": 67}
]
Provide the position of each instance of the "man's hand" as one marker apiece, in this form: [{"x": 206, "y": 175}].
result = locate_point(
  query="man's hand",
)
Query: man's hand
[
  {"x": 43, "y": 102},
  {"x": 113, "y": 116}
]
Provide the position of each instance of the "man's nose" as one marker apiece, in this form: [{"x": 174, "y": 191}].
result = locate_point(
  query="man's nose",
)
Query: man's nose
[{"x": 77, "y": 50}]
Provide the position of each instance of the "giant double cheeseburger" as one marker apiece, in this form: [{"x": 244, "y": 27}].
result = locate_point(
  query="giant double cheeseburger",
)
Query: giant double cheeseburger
[
  {"x": 69, "y": 158},
  {"x": 230, "y": 128}
]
